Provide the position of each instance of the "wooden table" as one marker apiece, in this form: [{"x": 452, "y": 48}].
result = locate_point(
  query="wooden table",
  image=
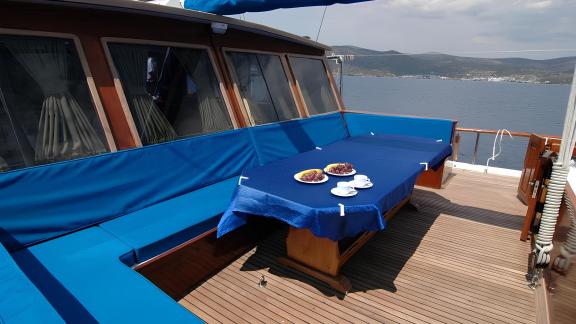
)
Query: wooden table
[{"x": 323, "y": 258}]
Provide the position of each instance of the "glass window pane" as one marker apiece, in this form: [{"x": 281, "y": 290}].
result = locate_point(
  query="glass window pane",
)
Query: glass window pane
[
  {"x": 264, "y": 87},
  {"x": 314, "y": 85},
  {"x": 172, "y": 92},
  {"x": 46, "y": 109}
]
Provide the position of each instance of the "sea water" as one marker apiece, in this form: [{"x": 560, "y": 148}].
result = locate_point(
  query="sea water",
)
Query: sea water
[{"x": 521, "y": 107}]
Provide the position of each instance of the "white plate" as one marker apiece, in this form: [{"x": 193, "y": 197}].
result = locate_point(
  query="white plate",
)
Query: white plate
[
  {"x": 310, "y": 182},
  {"x": 341, "y": 175},
  {"x": 335, "y": 192},
  {"x": 365, "y": 186}
]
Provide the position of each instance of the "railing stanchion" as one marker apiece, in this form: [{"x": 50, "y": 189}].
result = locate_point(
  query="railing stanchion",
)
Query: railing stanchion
[{"x": 476, "y": 148}]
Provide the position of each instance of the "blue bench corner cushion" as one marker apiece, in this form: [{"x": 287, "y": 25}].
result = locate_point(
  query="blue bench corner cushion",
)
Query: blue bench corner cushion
[
  {"x": 156, "y": 229},
  {"x": 83, "y": 278},
  {"x": 52, "y": 200},
  {"x": 364, "y": 124},
  {"x": 20, "y": 300},
  {"x": 287, "y": 138}
]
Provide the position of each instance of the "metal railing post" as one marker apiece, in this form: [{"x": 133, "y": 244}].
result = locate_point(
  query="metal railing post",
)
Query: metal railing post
[{"x": 476, "y": 148}]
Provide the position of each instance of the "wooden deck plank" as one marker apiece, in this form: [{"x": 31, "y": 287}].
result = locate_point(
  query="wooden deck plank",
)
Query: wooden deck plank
[{"x": 455, "y": 260}]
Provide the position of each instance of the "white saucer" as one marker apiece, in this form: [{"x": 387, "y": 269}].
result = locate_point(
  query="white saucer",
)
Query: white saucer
[
  {"x": 336, "y": 192},
  {"x": 351, "y": 173},
  {"x": 365, "y": 186}
]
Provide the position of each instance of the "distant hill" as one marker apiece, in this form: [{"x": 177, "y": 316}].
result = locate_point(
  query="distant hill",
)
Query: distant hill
[{"x": 393, "y": 63}]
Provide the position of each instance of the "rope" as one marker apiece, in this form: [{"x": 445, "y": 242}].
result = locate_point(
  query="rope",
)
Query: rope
[
  {"x": 568, "y": 248},
  {"x": 321, "y": 23}
]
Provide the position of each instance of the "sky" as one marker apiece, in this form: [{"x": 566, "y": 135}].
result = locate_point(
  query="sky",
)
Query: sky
[{"x": 537, "y": 29}]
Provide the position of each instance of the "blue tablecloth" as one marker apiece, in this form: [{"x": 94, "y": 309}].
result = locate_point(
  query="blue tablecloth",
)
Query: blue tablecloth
[{"x": 271, "y": 190}]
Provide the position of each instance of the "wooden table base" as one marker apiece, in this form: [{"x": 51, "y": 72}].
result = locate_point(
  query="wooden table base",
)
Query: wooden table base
[{"x": 322, "y": 258}]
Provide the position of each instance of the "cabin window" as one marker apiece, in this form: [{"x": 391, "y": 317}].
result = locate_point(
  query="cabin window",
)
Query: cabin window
[
  {"x": 264, "y": 87},
  {"x": 314, "y": 85},
  {"x": 172, "y": 92},
  {"x": 46, "y": 109}
]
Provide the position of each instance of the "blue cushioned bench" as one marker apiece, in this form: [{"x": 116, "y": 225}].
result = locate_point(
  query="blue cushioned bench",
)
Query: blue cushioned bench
[
  {"x": 85, "y": 277},
  {"x": 21, "y": 301},
  {"x": 76, "y": 227},
  {"x": 152, "y": 231}
]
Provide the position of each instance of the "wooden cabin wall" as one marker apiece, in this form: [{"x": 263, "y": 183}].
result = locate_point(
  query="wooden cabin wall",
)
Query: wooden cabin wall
[{"x": 90, "y": 26}]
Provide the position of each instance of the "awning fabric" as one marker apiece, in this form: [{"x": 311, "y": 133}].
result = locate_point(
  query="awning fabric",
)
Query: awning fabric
[{"x": 232, "y": 7}]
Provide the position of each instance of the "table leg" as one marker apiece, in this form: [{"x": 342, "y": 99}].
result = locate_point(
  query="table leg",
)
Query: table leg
[{"x": 320, "y": 257}]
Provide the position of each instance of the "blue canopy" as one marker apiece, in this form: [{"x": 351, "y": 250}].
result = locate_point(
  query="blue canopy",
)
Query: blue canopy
[{"x": 232, "y": 7}]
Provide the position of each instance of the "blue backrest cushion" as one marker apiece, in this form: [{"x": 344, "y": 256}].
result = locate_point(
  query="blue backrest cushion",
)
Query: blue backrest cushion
[
  {"x": 284, "y": 139},
  {"x": 47, "y": 201},
  {"x": 363, "y": 124},
  {"x": 21, "y": 301}
]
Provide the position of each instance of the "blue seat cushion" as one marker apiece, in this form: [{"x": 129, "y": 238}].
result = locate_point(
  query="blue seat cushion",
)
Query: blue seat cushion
[
  {"x": 408, "y": 148},
  {"x": 158, "y": 228},
  {"x": 364, "y": 124},
  {"x": 284, "y": 139},
  {"x": 20, "y": 300},
  {"x": 84, "y": 278}
]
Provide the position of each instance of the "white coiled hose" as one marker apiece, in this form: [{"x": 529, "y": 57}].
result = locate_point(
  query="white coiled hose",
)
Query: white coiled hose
[
  {"x": 568, "y": 248},
  {"x": 554, "y": 195},
  {"x": 557, "y": 182}
]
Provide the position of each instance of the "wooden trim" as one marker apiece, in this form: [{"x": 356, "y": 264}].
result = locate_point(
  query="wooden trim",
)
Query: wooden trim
[
  {"x": 174, "y": 249},
  {"x": 122, "y": 94},
  {"x": 300, "y": 102},
  {"x": 491, "y": 131},
  {"x": 328, "y": 76},
  {"x": 246, "y": 108},
  {"x": 87, "y": 73},
  {"x": 366, "y": 112},
  {"x": 335, "y": 90},
  {"x": 179, "y": 14},
  {"x": 179, "y": 270}
]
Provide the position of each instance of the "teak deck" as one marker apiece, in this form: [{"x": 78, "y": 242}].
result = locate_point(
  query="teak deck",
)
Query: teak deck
[{"x": 456, "y": 259}]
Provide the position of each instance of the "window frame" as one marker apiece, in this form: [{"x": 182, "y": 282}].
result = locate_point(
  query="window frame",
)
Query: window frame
[
  {"x": 120, "y": 90},
  {"x": 335, "y": 91},
  {"x": 302, "y": 111},
  {"x": 92, "y": 90}
]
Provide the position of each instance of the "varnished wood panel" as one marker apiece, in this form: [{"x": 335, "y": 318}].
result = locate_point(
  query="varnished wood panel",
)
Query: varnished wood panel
[
  {"x": 455, "y": 260},
  {"x": 93, "y": 25}
]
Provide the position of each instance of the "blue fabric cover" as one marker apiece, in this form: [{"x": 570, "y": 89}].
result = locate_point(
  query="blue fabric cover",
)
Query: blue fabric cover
[
  {"x": 20, "y": 300},
  {"x": 284, "y": 139},
  {"x": 272, "y": 191},
  {"x": 363, "y": 124},
  {"x": 158, "y": 228},
  {"x": 52, "y": 200},
  {"x": 398, "y": 147},
  {"x": 85, "y": 280},
  {"x": 232, "y": 7}
]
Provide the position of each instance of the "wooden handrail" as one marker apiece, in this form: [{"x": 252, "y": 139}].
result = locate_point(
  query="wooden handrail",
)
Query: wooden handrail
[{"x": 490, "y": 131}]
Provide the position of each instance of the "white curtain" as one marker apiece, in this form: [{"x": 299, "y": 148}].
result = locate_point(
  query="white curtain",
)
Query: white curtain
[
  {"x": 64, "y": 131},
  {"x": 213, "y": 111},
  {"x": 132, "y": 64},
  {"x": 3, "y": 164}
]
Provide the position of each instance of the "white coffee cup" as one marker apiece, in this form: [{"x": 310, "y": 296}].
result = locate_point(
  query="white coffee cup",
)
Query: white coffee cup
[
  {"x": 344, "y": 187},
  {"x": 361, "y": 179}
]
